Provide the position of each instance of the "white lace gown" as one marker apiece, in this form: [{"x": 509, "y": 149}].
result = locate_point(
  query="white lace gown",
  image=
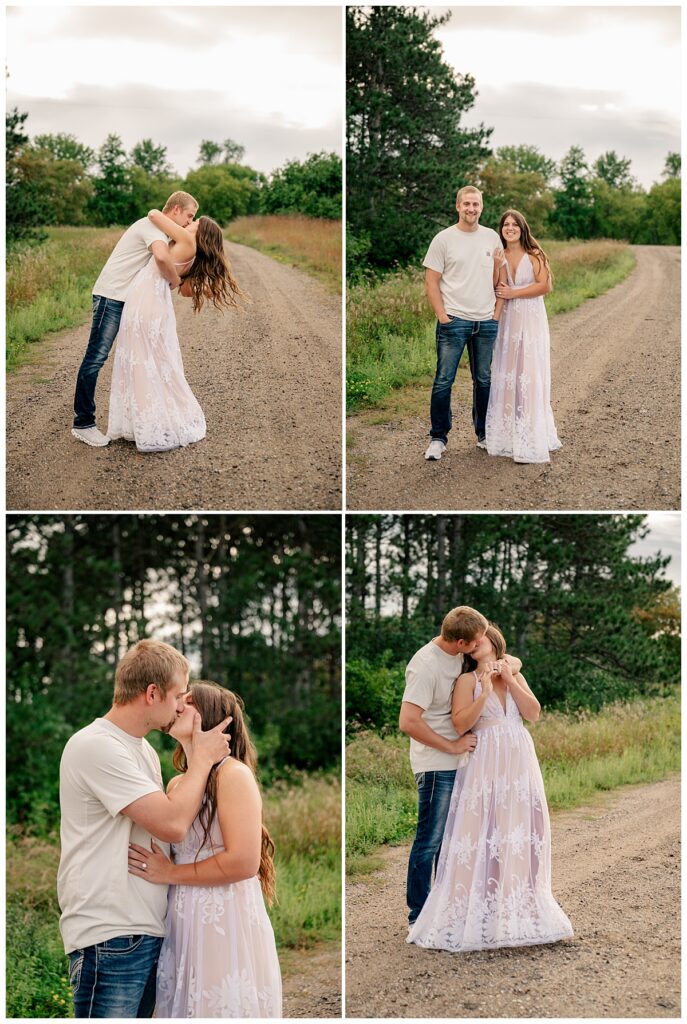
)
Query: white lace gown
[
  {"x": 218, "y": 957},
  {"x": 150, "y": 400},
  {"x": 520, "y": 421},
  {"x": 493, "y": 883}
]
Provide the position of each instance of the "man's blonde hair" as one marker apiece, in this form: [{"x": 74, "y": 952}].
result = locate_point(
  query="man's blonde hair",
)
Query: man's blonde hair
[
  {"x": 148, "y": 661},
  {"x": 468, "y": 188},
  {"x": 463, "y": 623},
  {"x": 182, "y": 199}
]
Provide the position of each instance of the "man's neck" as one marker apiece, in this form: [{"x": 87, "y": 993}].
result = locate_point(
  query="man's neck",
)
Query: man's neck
[
  {"x": 446, "y": 646},
  {"x": 128, "y": 718},
  {"x": 462, "y": 226}
]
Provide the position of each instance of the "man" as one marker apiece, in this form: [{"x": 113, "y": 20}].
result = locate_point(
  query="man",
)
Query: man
[
  {"x": 130, "y": 254},
  {"x": 438, "y": 757},
  {"x": 462, "y": 265},
  {"x": 111, "y": 794}
]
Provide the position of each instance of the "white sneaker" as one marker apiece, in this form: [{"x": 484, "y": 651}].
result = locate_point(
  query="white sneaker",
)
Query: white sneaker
[
  {"x": 435, "y": 449},
  {"x": 92, "y": 436},
  {"x": 482, "y": 443}
]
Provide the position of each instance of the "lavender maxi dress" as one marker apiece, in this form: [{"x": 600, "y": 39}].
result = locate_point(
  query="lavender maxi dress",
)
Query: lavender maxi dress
[
  {"x": 151, "y": 402},
  {"x": 219, "y": 957},
  {"x": 493, "y": 883},
  {"x": 519, "y": 417}
]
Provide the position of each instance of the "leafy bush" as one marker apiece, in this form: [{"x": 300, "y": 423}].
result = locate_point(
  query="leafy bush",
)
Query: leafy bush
[{"x": 311, "y": 187}]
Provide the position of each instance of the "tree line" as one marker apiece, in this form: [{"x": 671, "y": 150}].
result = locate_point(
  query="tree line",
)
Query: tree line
[
  {"x": 407, "y": 155},
  {"x": 253, "y": 601},
  {"x": 56, "y": 179},
  {"x": 591, "y": 622}
]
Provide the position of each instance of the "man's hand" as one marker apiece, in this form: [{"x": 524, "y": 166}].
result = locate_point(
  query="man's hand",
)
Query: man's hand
[
  {"x": 447, "y": 319},
  {"x": 212, "y": 745},
  {"x": 465, "y": 744}
]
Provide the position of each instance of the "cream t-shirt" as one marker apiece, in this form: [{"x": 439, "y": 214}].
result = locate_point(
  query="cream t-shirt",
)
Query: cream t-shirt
[
  {"x": 430, "y": 677},
  {"x": 102, "y": 770},
  {"x": 465, "y": 261},
  {"x": 129, "y": 255}
]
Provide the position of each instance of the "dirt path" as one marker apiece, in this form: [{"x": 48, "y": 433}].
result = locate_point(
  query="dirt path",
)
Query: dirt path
[
  {"x": 615, "y": 367},
  {"x": 269, "y": 382},
  {"x": 312, "y": 982},
  {"x": 616, "y": 873}
]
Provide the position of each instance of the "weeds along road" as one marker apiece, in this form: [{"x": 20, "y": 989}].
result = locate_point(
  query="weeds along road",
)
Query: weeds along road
[
  {"x": 616, "y": 873},
  {"x": 615, "y": 371},
  {"x": 269, "y": 383}
]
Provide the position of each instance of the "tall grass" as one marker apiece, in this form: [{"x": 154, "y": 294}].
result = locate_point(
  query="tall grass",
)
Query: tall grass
[
  {"x": 580, "y": 755},
  {"x": 49, "y": 286},
  {"x": 390, "y": 326},
  {"x": 304, "y": 819},
  {"x": 312, "y": 244}
]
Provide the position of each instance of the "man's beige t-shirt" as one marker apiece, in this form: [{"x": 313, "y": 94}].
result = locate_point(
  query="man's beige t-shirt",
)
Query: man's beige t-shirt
[
  {"x": 430, "y": 677},
  {"x": 465, "y": 261},
  {"x": 129, "y": 255},
  {"x": 102, "y": 770}
]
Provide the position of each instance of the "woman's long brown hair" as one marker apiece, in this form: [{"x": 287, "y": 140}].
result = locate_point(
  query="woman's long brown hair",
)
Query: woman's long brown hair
[
  {"x": 209, "y": 276},
  {"x": 527, "y": 239},
  {"x": 214, "y": 704}
]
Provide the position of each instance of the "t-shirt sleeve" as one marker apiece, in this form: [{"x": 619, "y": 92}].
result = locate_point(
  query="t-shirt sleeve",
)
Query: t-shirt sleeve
[
  {"x": 419, "y": 686},
  {"x": 113, "y": 776},
  {"x": 436, "y": 255},
  {"x": 151, "y": 234}
]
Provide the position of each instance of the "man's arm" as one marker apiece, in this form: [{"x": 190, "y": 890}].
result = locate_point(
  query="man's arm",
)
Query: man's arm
[
  {"x": 413, "y": 724},
  {"x": 170, "y": 815},
  {"x": 163, "y": 258},
  {"x": 432, "y": 279}
]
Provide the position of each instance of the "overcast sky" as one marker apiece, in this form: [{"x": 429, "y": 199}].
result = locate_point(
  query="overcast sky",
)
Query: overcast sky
[
  {"x": 599, "y": 77},
  {"x": 268, "y": 77}
]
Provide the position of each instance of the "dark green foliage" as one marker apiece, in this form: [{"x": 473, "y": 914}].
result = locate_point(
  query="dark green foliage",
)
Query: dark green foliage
[
  {"x": 25, "y": 206},
  {"x": 112, "y": 185},
  {"x": 253, "y": 601},
  {"x": 227, "y": 152},
  {"x": 673, "y": 166},
  {"x": 151, "y": 158},
  {"x": 591, "y": 623},
  {"x": 614, "y": 170},
  {"x": 225, "y": 191},
  {"x": 65, "y": 147},
  {"x": 407, "y": 154},
  {"x": 311, "y": 186},
  {"x": 573, "y": 199}
]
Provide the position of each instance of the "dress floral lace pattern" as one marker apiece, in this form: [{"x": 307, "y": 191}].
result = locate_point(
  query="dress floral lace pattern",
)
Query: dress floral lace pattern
[
  {"x": 520, "y": 421},
  {"x": 493, "y": 884},
  {"x": 150, "y": 400},
  {"x": 218, "y": 958}
]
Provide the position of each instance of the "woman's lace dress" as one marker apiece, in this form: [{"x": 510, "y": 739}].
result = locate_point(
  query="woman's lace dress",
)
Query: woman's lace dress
[
  {"x": 493, "y": 883},
  {"x": 218, "y": 958},
  {"x": 150, "y": 401},
  {"x": 519, "y": 417}
]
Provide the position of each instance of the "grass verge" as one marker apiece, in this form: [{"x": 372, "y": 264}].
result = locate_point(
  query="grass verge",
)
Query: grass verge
[
  {"x": 390, "y": 326},
  {"x": 49, "y": 286},
  {"x": 580, "y": 755},
  {"x": 311, "y": 244},
  {"x": 305, "y": 822}
]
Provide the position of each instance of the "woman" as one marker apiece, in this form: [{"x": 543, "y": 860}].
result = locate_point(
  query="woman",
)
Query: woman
[
  {"x": 493, "y": 883},
  {"x": 218, "y": 958},
  {"x": 150, "y": 400},
  {"x": 519, "y": 418}
]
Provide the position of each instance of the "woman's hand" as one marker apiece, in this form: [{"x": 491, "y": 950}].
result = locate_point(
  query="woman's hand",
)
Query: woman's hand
[
  {"x": 485, "y": 679},
  {"x": 504, "y": 291},
  {"x": 150, "y": 864},
  {"x": 505, "y": 673}
]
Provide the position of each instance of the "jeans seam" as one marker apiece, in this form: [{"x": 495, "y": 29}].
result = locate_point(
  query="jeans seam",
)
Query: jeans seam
[
  {"x": 95, "y": 984},
  {"x": 102, "y": 315}
]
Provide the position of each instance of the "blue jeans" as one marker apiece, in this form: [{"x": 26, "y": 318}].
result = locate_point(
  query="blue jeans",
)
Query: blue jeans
[
  {"x": 106, "y": 316},
  {"x": 115, "y": 978},
  {"x": 479, "y": 336},
  {"x": 434, "y": 797}
]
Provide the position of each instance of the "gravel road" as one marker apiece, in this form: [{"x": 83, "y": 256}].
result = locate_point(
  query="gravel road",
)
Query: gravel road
[
  {"x": 615, "y": 367},
  {"x": 312, "y": 982},
  {"x": 616, "y": 873},
  {"x": 269, "y": 382}
]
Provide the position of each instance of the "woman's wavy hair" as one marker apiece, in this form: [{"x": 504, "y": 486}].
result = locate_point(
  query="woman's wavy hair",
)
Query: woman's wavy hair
[
  {"x": 209, "y": 275},
  {"x": 494, "y": 634},
  {"x": 214, "y": 704},
  {"x": 527, "y": 239}
]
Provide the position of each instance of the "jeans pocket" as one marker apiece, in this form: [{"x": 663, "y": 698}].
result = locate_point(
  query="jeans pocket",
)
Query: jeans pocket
[
  {"x": 419, "y": 778},
  {"x": 122, "y": 944},
  {"x": 75, "y": 966}
]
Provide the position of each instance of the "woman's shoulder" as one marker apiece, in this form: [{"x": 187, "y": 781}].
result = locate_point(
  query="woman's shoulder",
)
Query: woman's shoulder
[{"x": 232, "y": 769}]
